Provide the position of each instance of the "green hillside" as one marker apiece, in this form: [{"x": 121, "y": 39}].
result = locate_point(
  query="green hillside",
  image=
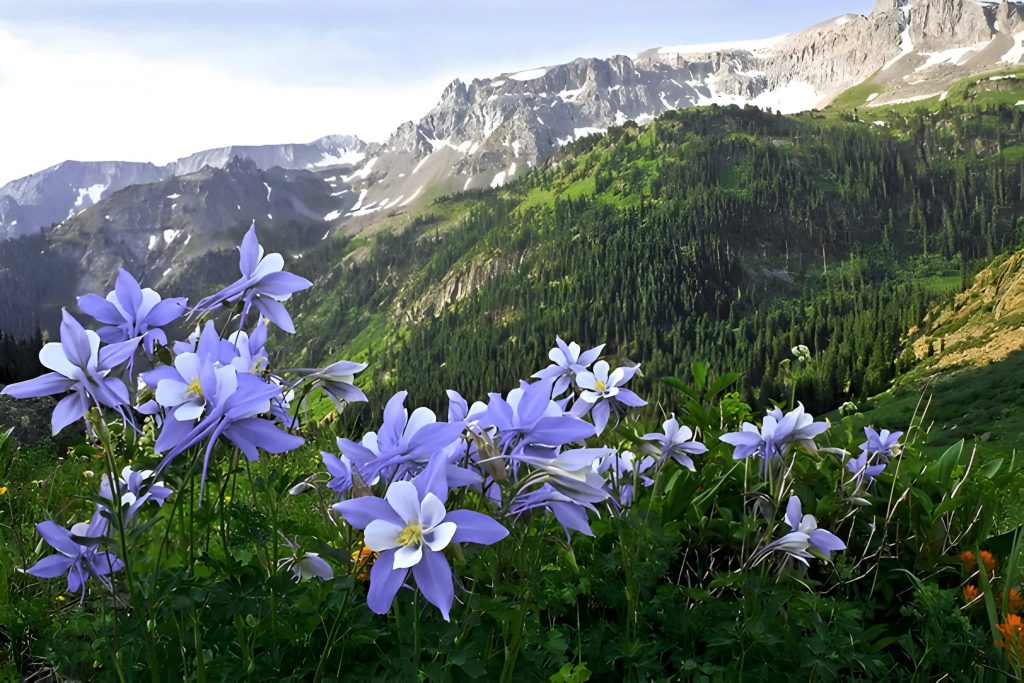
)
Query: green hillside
[
  {"x": 721, "y": 234},
  {"x": 1000, "y": 87},
  {"x": 967, "y": 365}
]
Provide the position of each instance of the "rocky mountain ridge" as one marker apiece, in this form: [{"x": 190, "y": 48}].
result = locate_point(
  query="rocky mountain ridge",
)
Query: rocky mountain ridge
[
  {"x": 60, "y": 192},
  {"x": 484, "y": 133}
]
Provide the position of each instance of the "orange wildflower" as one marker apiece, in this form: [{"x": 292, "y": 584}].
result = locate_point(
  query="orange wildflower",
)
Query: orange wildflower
[
  {"x": 971, "y": 592},
  {"x": 1016, "y": 601},
  {"x": 363, "y": 560},
  {"x": 968, "y": 560},
  {"x": 988, "y": 559},
  {"x": 1011, "y": 638}
]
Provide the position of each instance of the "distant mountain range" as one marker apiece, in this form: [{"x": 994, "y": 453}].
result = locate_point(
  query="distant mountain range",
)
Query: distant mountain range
[
  {"x": 60, "y": 192},
  {"x": 485, "y": 133}
]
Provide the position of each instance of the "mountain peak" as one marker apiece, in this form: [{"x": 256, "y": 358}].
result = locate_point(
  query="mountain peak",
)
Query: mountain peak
[{"x": 883, "y": 6}]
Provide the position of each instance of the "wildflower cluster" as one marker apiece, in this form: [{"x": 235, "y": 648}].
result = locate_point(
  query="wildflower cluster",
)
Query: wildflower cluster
[
  {"x": 557, "y": 451},
  {"x": 214, "y": 389}
]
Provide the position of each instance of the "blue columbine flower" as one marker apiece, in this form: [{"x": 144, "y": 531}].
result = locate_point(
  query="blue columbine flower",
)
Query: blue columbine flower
[
  {"x": 602, "y": 390},
  {"x": 81, "y": 367},
  {"x": 805, "y": 540},
  {"x": 778, "y": 433},
  {"x": 411, "y": 527},
  {"x": 131, "y": 311},
  {"x": 569, "y": 513},
  {"x": 625, "y": 471},
  {"x": 306, "y": 565},
  {"x": 403, "y": 444},
  {"x": 884, "y": 445},
  {"x": 264, "y": 284},
  {"x": 340, "y": 469},
  {"x": 804, "y": 428},
  {"x": 567, "y": 361},
  {"x": 863, "y": 472},
  {"x": 78, "y": 561},
  {"x": 136, "y": 489},
  {"x": 572, "y": 474},
  {"x": 529, "y": 422},
  {"x": 204, "y": 397},
  {"x": 251, "y": 349},
  {"x": 676, "y": 442},
  {"x": 337, "y": 380},
  {"x": 234, "y": 403}
]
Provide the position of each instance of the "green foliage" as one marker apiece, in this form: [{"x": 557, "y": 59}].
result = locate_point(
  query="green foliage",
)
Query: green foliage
[
  {"x": 663, "y": 590},
  {"x": 719, "y": 233}
]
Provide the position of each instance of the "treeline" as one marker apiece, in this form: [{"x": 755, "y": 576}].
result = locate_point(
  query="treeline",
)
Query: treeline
[
  {"x": 19, "y": 357},
  {"x": 35, "y": 279}
]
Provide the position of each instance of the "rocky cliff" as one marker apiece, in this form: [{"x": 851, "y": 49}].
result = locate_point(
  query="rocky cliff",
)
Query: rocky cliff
[{"x": 486, "y": 132}]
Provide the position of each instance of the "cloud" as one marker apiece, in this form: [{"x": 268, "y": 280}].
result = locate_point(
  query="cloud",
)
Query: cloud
[{"x": 93, "y": 103}]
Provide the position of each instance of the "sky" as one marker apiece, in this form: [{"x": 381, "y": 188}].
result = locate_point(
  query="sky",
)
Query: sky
[{"x": 154, "y": 80}]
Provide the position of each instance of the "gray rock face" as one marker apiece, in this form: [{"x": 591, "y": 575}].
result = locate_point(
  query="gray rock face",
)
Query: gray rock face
[
  {"x": 29, "y": 420},
  {"x": 57, "y": 193},
  {"x": 943, "y": 24},
  {"x": 51, "y": 195},
  {"x": 155, "y": 229},
  {"x": 836, "y": 54},
  {"x": 484, "y": 133},
  {"x": 1009, "y": 18},
  {"x": 333, "y": 150}
]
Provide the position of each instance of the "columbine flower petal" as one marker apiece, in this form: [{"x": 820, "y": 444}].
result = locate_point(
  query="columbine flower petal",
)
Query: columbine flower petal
[{"x": 381, "y": 535}]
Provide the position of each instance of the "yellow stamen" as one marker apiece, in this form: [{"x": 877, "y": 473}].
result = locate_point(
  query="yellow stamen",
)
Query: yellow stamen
[
  {"x": 599, "y": 385},
  {"x": 410, "y": 534},
  {"x": 195, "y": 387}
]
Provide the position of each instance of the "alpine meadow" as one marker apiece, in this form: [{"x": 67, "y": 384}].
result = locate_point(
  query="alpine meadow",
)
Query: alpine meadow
[{"x": 700, "y": 364}]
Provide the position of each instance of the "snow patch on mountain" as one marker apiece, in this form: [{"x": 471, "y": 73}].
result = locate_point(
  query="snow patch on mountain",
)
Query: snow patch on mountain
[
  {"x": 529, "y": 74},
  {"x": 954, "y": 56},
  {"x": 1016, "y": 53},
  {"x": 792, "y": 98},
  {"x": 756, "y": 45},
  {"x": 93, "y": 192}
]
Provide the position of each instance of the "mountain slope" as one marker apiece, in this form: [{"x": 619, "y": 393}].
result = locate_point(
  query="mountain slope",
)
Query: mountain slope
[
  {"x": 179, "y": 234},
  {"x": 41, "y": 199},
  {"x": 484, "y": 133},
  {"x": 963, "y": 365},
  {"x": 982, "y": 325},
  {"x": 727, "y": 235},
  {"x": 56, "y": 194},
  {"x": 329, "y": 151}
]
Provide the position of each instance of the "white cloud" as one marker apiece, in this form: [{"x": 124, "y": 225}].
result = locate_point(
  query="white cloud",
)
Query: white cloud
[{"x": 99, "y": 104}]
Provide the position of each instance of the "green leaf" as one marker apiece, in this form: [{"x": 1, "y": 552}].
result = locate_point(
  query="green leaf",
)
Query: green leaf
[
  {"x": 700, "y": 374},
  {"x": 991, "y": 469},
  {"x": 947, "y": 505},
  {"x": 922, "y": 498},
  {"x": 720, "y": 384},
  {"x": 681, "y": 386},
  {"x": 883, "y": 643},
  {"x": 948, "y": 462}
]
